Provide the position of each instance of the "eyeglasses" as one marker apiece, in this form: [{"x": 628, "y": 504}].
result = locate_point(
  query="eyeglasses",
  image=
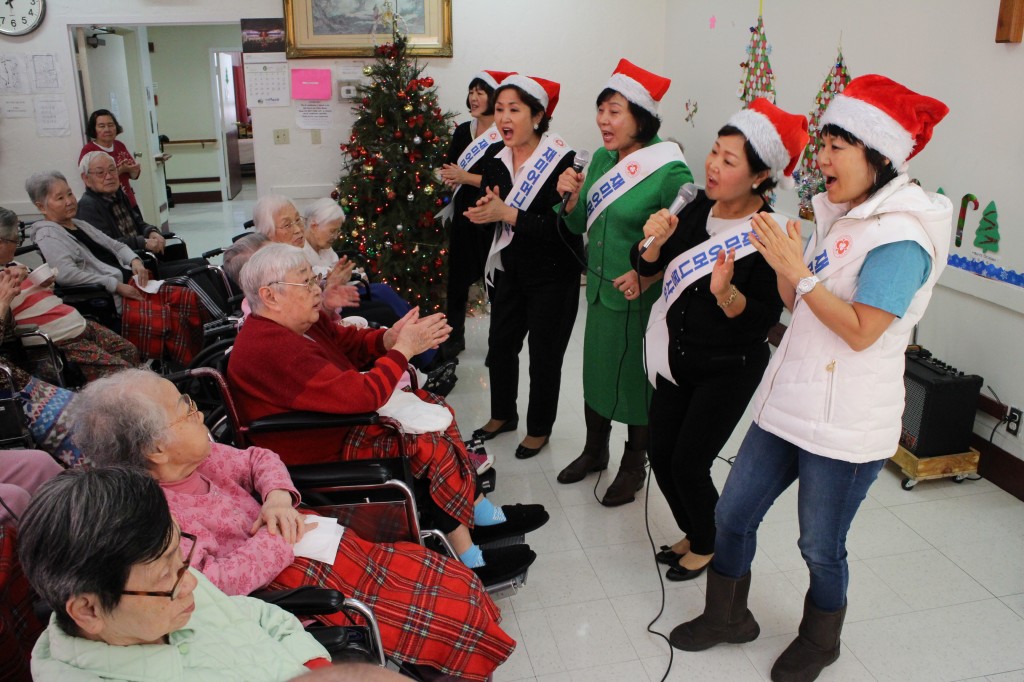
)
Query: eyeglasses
[
  {"x": 300, "y": 221},
  {"x": 193, "y": 409},
  {"x": 313, "y": 283},
  {"x": 173, "y": 593},
  {"x": 103, "y": 173},
  {"x": 17, "y": 242}
]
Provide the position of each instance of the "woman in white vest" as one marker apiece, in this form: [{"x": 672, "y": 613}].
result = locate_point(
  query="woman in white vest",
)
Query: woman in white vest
[
  {"x": 632, "y": 175},
  {"x": 707, "y": 339},
  {"x": 537, "y": 291},
  {"x": 829, "y": 408},
  {"x": 472, "y": 143}
]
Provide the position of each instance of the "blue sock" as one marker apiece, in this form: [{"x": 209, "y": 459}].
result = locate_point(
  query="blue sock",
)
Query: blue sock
[
  {"x": 472, "y": 557},
  {"x": 486, "y": 514}
]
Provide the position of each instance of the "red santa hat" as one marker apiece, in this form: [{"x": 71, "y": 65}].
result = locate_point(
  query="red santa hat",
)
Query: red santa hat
[
  {"x": 777, "y": 136},
  {"x": 542, "y": 90},
  {"x": 492, "y": 78},
  {"x": 886, "y": 116},
  {"x": 639, "y": 86}
]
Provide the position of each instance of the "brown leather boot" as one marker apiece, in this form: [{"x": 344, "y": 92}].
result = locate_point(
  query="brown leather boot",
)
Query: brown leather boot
[
  {"x": 726, "y": 618},
  {"x": 631, "y": 476},
  {"x": 815, "y": 648},
  {"x": 594, "y": 457}
]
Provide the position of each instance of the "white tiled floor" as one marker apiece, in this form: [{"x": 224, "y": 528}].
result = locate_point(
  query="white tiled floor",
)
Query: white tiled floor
[{"x": 937, "y": 573}]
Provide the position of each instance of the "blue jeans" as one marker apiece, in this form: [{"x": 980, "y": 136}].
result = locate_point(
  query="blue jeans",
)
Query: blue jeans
[{"x": 831, "y": 491}]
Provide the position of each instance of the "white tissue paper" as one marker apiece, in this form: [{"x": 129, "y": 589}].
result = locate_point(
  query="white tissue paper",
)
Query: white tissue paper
[
  {"x": 320, "y": 543},
  {"x": 152, "y": 286},
  {"x": 414, "y": 415}
]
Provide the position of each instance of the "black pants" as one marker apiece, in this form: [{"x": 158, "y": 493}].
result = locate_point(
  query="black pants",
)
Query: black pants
[
  {"x": 545, "y": 309},
  {"x": 690, "y": 423}
]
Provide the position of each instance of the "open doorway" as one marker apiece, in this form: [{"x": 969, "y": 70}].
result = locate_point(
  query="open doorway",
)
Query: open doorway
[{"x": 182, "y": 83}]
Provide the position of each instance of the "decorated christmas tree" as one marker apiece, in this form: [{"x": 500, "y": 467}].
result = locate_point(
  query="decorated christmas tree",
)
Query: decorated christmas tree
[
  {"x": 758, "y": 79},
  {"x": 809, "y": 179},
  {"x": 388, "y": 187},
  {"x": 987, "y": 236}
]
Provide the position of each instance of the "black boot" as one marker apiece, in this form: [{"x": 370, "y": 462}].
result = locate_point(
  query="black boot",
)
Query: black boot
[
  {"x": 594, "y": 457},
  {"x": 726, "y": 618},
  {"x": 631, "y": 476},
  {"x": 815, "y": 647}
]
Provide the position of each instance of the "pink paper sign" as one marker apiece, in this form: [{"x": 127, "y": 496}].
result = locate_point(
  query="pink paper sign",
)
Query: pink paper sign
[{"x": 311, "y": 83}]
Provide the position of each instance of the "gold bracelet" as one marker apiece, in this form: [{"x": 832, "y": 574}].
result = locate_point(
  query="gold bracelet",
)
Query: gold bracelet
[{"x": 732, "y": 297}]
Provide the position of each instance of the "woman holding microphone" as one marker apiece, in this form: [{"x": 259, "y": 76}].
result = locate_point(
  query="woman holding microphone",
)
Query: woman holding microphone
[
  {"x": 537, "y": 290},
  {"x": 706, "y": 342},
  {"x": 633, "y": 175},
  {"x": 473, "y": 142}
]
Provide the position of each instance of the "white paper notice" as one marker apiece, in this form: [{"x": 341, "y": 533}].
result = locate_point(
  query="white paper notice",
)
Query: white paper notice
[
  {"x": 314, "y": 114},
  {"x": 51, "y": 117},
  {"x": 13, "y": 74},
  {"x": 45, "y": 73},
  {"x": 16, "y": 107},
  {"x": 268, "y": 85}
]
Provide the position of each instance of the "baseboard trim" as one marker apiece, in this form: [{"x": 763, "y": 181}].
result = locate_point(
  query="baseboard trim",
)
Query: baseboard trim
[
  {"x": 1000, "y": 467},
  {"x": 197, "y": 197}
]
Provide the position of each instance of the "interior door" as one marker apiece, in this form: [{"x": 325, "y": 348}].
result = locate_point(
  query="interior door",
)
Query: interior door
[{"x": 225, "y": 63}]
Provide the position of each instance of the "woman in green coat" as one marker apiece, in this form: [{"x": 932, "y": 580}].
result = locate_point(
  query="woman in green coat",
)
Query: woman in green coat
[{"x": 634, "y": 174}]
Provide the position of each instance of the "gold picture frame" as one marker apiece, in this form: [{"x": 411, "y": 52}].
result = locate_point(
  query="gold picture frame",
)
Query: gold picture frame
[{"x": 343, "y": 28}]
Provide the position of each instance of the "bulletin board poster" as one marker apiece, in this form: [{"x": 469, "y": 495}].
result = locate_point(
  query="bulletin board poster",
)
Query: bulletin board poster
[{"x": 981, "y": 245}]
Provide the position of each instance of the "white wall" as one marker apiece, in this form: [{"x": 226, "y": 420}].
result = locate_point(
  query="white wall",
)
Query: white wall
[{"x": 943, "y": 48}]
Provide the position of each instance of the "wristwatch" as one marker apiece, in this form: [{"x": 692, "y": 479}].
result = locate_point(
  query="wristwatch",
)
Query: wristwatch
[{"x": 806, "y": 285}]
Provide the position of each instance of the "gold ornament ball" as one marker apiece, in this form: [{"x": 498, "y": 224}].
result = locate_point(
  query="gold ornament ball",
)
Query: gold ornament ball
[
  {"x": 428, "y": 190},
  {"x": 367, "y": 70},
  {"x": 355, "y": 233},
  {"x": 407, "y": 108},
  {"x": 360, "y": 220}
]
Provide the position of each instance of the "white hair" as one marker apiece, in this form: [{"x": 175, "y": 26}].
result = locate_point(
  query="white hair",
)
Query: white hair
[
  {"x": 272, "y": 263},
  {"x": 86, "y": 161},
  {"x": 323, "y": 211},
  {"x": 265, "y": 210}
]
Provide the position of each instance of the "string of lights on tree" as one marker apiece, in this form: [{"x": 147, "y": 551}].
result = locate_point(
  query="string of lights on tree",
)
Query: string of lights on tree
[{"x": 388, "y": 188}]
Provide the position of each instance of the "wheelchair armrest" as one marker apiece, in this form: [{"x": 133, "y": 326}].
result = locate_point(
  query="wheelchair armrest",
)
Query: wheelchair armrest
[
  {"x": 356, "y": 472},
  {"x": 22, "y": 329},
  {"x": 81, "y": 290},
  {"x": 304, "y": 601},
  {"x": 212, "y": 253},
  {"x": 301, "y": 421}
]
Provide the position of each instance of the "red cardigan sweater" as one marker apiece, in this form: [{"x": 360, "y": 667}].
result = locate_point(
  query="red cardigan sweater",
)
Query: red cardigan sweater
[{"x": 273, "y": 370}]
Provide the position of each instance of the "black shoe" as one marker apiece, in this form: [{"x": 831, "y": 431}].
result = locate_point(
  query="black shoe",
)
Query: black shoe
[
  {"x": 509, "y": 425},
  {"x": 678, "y": 574},
  {"x": 523, "y": 452},
  {"x": 442, "y": 380},
  {"x": 519, "y": 519},
  {"x": 667, "y": 556},
  {"x": 504, "y": 563}
]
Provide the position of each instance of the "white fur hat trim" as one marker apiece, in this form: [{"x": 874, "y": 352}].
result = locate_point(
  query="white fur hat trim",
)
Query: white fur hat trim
[
  {"x": 632, "y": 90},
  {"x": 872, "y": 126},
  {"x": 764, "y": 138},
  {"x": 530, "y": 86}
]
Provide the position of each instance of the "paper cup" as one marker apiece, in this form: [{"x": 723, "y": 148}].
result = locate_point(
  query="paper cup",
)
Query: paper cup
[{"x": 41, "y": 274}]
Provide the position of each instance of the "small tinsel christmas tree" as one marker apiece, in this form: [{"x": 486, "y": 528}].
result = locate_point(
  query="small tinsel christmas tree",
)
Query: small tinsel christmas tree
[
  {"x": 809, "y": 180},
  {"x": 388, "y": 188},
  {"x": 758, "y": 79},
  {"x": 987, "y": 236}
]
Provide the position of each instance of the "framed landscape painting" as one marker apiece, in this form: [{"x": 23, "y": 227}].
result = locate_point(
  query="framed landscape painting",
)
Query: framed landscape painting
[{"x": 352, "y": 28}]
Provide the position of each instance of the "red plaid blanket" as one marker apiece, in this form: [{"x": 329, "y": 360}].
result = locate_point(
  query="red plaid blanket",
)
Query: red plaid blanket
[
  {"x": 19, "y": 627},
  {"x": 167, "y": 324}
]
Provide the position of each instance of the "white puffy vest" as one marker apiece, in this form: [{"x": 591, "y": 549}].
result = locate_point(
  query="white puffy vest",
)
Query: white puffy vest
[{"x": 817, "y": 392}]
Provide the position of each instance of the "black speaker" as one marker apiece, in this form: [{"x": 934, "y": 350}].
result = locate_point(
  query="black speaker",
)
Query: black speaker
[{"x": 940, "y": 406}]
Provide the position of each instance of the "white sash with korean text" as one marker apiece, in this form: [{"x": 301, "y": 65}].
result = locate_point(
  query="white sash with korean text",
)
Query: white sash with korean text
[
  {"x": 536, "y": 171},
  {"x": 470, "y": 155},
  {"x": 627, "y": 174}
]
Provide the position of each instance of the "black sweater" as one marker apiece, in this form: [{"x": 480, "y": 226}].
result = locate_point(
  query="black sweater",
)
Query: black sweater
[
  {"x": 696, "y": 324},
  {"x": 542, "y": 245}
]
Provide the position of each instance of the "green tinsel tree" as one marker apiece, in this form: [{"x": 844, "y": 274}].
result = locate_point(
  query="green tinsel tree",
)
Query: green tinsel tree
[{"x": 388, "y": 187}]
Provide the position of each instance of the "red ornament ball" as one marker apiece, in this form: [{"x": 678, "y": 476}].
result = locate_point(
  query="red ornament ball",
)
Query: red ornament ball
[
  {"x": 398, "y": 134},
  {"x": 335, "y": 194},
  {"x": 380, "y": 120},
  {"x": 428, "y": 81}
]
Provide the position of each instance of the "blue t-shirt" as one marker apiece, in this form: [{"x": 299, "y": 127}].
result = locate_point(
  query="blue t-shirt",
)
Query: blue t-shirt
[{"x": 891, "y": 275}]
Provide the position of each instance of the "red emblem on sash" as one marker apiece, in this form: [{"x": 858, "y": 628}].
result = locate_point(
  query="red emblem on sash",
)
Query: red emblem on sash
[
  {"x": 842, "y": 246},
  {"x": 633, "y": 169}
]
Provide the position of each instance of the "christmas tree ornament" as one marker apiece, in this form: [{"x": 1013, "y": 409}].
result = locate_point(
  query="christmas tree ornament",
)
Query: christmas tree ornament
[
  {"x": 407, "y": 108},
  {"x": 428, "y": 190},
  {"x": 355, "y": 233},
  {"x": 398, "y": 227},
  {"x": 410, "y": 197},
  {"x": 417, "y": 140},
  {"x": 381, "y": 121},
  {"x": 367, "y": 70}
]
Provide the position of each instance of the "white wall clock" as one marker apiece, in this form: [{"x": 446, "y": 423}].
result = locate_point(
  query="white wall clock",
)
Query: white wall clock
[{"x": 18, "y": 17}]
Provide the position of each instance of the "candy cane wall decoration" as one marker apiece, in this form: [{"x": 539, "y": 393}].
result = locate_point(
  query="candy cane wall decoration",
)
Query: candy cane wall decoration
[{"x": 968, "y": 199}]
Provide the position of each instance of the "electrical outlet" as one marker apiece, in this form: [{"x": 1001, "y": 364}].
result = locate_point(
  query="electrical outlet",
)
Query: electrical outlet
[
  {"x": 1013, "y": 418},
  {"x": 281, "y": 136},
  {"x": 314, "y": 136}
]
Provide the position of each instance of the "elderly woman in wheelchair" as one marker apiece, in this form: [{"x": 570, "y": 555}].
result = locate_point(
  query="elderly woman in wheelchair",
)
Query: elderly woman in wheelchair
[
  {"x": 431, "y": 611},
  {"x": 101, "y": 549}
]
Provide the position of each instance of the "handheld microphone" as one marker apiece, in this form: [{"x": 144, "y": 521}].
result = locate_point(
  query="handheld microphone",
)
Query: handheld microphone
[
  {"x": 686, "y": 194},
  {"x": 578, "y": 164}
]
